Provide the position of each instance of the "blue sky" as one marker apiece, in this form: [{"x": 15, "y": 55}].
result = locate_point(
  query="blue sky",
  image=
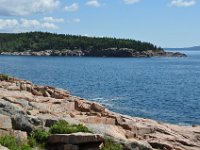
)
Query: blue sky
[{"x": 166, "y": 23}]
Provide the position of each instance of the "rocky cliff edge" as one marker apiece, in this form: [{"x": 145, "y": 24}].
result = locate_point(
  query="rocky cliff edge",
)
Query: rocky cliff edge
[{"x": 32, "y": 106}]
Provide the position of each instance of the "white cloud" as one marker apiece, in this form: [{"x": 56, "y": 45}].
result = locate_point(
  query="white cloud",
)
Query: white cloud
[
  {"x": 26, "y": 23},
  {"x": 87, "y": 35},
  {"x": 13, "y": 25},
  {"x": 48, "y": 25},
  {"x": 183, "y": 3},
  {"x": 76, "y": 20},
  {"x": 26, "y": 7},
  {"x": 72, "y": 8},
  {"x": 93, "y": 3},
  {"x": 130, "y": 1},
  {"x": 8, "y": 23},
  {"x": 53, "y": 20}
]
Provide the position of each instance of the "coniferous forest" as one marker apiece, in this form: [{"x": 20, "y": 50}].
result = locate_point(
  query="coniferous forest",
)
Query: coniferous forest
[{"x": 39, "y": 41}]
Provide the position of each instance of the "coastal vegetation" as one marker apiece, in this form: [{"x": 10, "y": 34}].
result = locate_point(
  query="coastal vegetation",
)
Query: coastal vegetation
[
  {"x": 4, "y": 77},
  {"x": 51, "y": 44},
  {"x": 39, "y": 137},
  {"x": 62, "y": 127},
  {"x": 111, "y": 145},
  {"x": 13, "y": 144},
  {"x": 38, "y": 41}
]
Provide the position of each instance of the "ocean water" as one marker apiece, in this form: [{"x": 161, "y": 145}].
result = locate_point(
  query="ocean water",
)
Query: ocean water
[{"x": 164, "y": 89}]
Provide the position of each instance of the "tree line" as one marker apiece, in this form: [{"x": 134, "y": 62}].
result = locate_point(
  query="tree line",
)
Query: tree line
[{"x": 39, "y": 41}]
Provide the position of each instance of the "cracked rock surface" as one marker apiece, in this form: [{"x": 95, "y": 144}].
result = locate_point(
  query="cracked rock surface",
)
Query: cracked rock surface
[{"x": 25, "y": 107}]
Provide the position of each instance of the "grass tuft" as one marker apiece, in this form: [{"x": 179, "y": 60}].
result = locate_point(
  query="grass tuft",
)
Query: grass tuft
[
  {"x": 38, "y": 138},
  {"x": 62, "y": 127},
  {"x": 4, "y": 77},
  {"x": 111, "y": 145},
  {"x": 12, "y": 144}
]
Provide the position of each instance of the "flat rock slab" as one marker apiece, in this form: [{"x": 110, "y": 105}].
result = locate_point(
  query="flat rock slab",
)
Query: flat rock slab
[
  {"x": 5, "y": 122},
  {"x": 75, "y": 138},
  {"x": 3, "y": 148}
]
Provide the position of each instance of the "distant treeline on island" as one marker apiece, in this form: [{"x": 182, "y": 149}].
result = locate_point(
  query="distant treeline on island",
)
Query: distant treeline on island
[
  {"x": 51, "y": 44},
  {"x": 38, "y": 41}
]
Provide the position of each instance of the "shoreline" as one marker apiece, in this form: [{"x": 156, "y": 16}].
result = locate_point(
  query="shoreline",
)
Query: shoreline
[
  {"x": 48, "y": 104},
  {"x": 111, "y": 52},
  {"x": 94, "y": 101}
]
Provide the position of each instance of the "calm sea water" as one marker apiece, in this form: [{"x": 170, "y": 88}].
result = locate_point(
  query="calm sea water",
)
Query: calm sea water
[{"x": 165, "y": 89}]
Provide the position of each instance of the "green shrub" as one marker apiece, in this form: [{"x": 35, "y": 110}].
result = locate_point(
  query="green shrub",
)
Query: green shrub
[
  {"x": 4, "y": 77},
  {"x": 38, "y": 138},
  {"x": 111, "y": 145},
  {"x": 62, "y": 127},
  {"x": 32, "y": 141},
  {"x": 11, "y": 143},
  {"x": 8, "y": 141},
  {"x": 24, "y": 147},
  {"x": 40, "y": 135},
  {"x": 82, "y": 128}
]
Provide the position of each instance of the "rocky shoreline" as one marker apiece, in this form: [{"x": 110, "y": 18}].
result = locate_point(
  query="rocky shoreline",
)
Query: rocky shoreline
[
  {"x": 110, "y": 52},
  {"x": 25, "y": 107}
]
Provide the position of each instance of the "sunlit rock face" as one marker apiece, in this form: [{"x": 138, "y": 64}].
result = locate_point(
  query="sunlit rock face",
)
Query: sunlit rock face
[{"x": 25, "y": 107}]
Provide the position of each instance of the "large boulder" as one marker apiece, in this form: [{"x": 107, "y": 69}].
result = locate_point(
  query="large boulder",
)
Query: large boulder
[
  {"x": 97, "y": 107},
  {"x": 18, "y": 119},
  {"x": 75, "y": 141},
  {"x": 6, "y": 128},
  {"x": 75, "y": 138}
]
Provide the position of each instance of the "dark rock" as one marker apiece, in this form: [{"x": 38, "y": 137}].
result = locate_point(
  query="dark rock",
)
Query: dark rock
[
  {"x": 22, "y": 123},
  {"x": 62, "y": 147},
  {"x": 97, "y": 107},
  {"x": 175, "y": 54},
  {"x": 76, "y": 141},
  {"x": 50, "y": 122},
  {"x": 75, "y": 138}
]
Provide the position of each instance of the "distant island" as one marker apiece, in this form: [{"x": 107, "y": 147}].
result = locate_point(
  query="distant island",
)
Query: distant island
[
  {"x": 49, "y": 44},
  {"x": 185, "y": 48}
]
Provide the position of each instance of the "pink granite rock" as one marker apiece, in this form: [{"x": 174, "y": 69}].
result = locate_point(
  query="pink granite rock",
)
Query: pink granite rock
[{"x": 29, "y": 111}]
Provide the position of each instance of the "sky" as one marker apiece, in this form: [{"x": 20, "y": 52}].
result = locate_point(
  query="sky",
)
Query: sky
[{"x": 165, "y": 23}]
